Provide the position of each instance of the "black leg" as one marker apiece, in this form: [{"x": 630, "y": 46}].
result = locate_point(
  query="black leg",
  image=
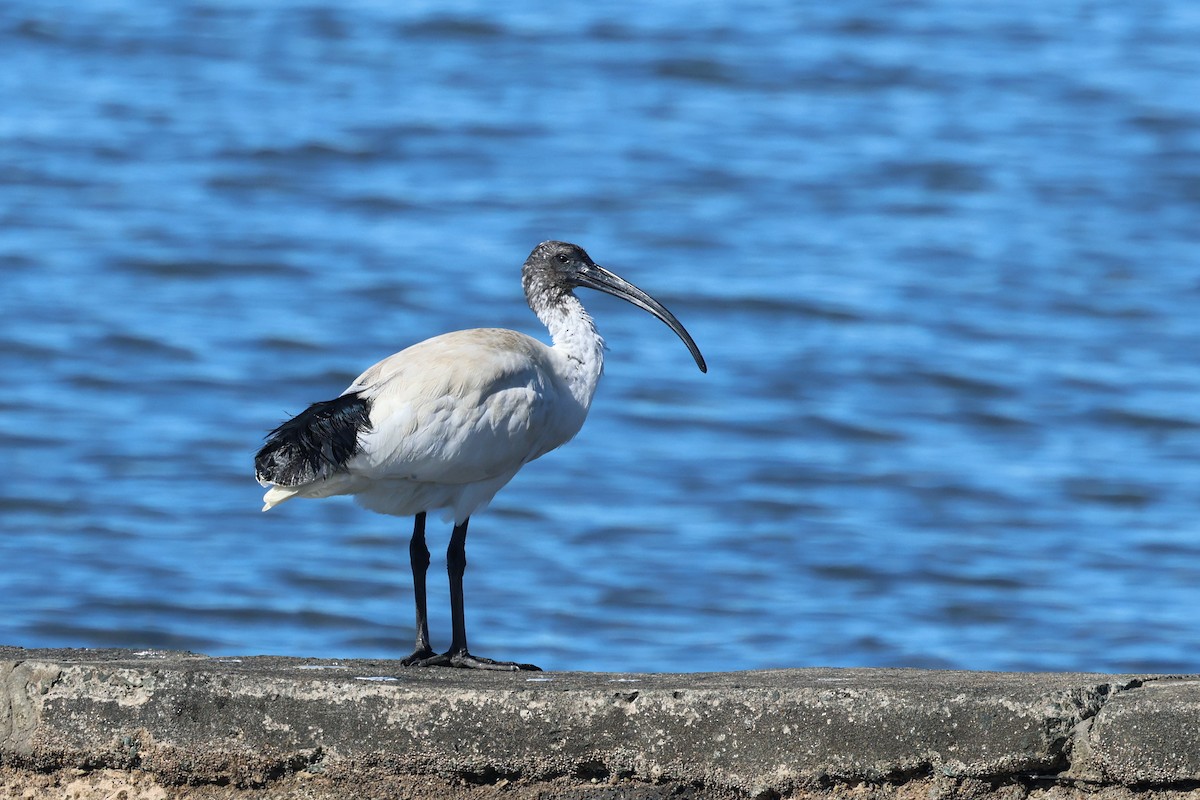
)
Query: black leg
[
  {"x": 456, "y": 565},
  {"x": 458, "y": 655},
  {"x": 418, "y": 556}
]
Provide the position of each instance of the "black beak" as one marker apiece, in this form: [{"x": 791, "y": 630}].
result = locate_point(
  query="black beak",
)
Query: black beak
[{"x": 593, "y": 276}]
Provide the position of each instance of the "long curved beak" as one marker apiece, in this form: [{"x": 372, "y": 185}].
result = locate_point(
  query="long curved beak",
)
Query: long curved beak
[{"x": 597, "y": 277}]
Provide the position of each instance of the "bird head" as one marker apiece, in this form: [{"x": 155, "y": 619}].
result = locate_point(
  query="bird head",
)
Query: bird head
[{"x": 553, "y": 269}]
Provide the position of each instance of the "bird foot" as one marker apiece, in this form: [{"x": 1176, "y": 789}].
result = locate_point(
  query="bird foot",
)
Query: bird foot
[
  {"x": 419, "y": 655},
  {"x": 464, "y": 660}
]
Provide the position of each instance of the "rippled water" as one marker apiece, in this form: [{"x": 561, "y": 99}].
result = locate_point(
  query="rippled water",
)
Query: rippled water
[{"x": 942, "y": 259}]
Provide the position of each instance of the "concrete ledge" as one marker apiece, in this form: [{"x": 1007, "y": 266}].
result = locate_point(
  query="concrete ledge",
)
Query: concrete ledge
[{"x": 157, "y": 724}]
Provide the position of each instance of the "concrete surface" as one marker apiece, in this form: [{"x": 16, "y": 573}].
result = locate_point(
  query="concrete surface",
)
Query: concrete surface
[{"x": 109, "y": 723}]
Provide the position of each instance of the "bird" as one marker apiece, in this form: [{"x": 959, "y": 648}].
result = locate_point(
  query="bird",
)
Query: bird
[{"x": 444, "y": 424}]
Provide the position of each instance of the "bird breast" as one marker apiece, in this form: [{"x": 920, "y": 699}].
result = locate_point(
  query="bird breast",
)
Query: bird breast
[{"x": 465, "y": 407}]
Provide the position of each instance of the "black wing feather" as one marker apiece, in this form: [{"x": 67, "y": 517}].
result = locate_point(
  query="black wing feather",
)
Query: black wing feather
[{"x": 315, "y": 443}]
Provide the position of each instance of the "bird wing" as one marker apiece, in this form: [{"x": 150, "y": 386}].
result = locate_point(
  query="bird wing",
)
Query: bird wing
[{"x": 463, "y": 407}]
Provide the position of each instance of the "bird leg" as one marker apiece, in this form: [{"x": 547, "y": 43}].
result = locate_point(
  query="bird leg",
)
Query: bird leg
[
  {"x": 458, "y": 655},
  {"x": 418, "y": 556}
]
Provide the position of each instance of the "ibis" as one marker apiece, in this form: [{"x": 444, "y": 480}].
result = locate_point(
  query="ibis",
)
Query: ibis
[{"x": 444, "y": 424}]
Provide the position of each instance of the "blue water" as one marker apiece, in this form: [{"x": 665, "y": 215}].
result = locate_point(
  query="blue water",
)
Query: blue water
[{"x": 943, "y": 259}]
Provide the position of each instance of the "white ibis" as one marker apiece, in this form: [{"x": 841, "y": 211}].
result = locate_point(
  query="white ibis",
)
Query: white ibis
[{"x": 444, "y": 424}]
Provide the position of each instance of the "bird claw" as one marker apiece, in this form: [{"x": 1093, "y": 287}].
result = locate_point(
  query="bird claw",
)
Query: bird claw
[
  {"x": 461, "y": 659},
  {"x": 419, "y": 655}
]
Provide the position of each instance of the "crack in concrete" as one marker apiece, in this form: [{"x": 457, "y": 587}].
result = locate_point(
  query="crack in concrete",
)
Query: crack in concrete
[{"x": 1079, "y": 761}]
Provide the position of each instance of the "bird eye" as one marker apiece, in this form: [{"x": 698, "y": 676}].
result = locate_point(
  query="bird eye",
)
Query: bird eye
[{"x": 562, "y": 259}]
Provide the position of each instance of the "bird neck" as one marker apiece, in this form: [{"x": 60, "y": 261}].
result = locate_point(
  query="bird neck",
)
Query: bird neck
[{"x": 574, "y": 335}]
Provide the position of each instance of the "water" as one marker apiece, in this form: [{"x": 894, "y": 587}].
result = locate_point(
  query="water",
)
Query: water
[{"x": 941, "y": 257}]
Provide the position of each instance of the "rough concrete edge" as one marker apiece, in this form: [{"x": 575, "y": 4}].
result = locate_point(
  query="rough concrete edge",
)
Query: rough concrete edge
[
  {"x": 31, "y": 683},
  {"x": 1084, "y": 767},
  {"x": 1072, "y": 761},
  {"x": 25, "y": 685}
]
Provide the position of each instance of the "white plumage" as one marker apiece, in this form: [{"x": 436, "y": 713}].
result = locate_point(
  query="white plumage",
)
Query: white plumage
[{"x": 445, "y": 424}]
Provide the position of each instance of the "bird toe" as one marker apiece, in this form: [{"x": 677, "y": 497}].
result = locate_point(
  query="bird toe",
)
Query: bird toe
[
  {"x": 418, "y": 657},
  {"x": 462, "y": 659}
]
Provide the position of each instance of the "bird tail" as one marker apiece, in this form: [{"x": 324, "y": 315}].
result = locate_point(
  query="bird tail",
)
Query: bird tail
[{"x": 312, "y": 445}]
